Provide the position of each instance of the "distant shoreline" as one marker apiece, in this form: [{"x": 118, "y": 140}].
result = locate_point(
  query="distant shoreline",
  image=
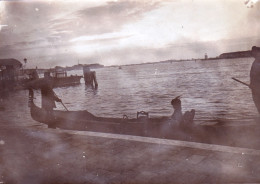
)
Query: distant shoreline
[
  {"x": 176, "y": 61},
  {"x": 229, "y": 55}
]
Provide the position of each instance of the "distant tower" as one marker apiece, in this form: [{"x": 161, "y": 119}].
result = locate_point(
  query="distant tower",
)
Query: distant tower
[{"x": 206, "y": 56}]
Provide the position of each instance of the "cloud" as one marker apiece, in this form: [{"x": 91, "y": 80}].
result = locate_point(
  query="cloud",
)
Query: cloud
[
  {"x": 143, "y": 30},
  {"x": 54, "y": 24},
  {"x": 2, "y": 26},
  {"x": 101, "y": 37},
  {"x": 253, "y": 18},
  {"x": 250, "y": 3},
  {"x": 106, "y": 18}
]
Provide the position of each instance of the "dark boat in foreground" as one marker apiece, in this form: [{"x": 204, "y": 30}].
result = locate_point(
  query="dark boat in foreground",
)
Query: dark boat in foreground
[
  {"x": 85, "y": 121},
  {"x": 242, "y": 136}
]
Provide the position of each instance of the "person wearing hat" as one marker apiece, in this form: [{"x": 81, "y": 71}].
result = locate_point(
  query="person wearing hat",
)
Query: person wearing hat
[
  {"x": 177, "y": 113},
  {"x": 48, "y": 95},
  {"x": 255, "y": 77},
  {"x": 178, "y": 118}
]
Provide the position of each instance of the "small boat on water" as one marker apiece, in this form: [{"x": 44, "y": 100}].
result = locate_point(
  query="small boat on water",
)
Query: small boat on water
[
  {"x": 57, "y": 79},
  {"x": 142, "y": 125},
  {"x": 60, "y": 78}
]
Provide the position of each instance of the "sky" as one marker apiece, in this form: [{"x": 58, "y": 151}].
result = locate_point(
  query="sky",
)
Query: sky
[{"x": 116, "y": 32}]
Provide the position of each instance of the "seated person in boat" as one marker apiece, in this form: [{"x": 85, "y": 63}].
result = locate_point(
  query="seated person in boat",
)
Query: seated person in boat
[
  {"x": 178, "y": 118},
  {"x": 48, "y": 95}
]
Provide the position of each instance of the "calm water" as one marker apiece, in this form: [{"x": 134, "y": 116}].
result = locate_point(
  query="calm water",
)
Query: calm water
[{"x": 205, "y": 86}]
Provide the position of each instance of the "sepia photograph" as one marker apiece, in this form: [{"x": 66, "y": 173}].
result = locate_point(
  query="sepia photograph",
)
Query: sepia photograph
[{"x": 129, "y": 91}]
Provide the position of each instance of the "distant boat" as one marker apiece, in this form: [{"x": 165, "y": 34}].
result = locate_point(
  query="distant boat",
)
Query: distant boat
[
  {"x": 58, "y": 79},
  {"x": 119, "y": 67}
]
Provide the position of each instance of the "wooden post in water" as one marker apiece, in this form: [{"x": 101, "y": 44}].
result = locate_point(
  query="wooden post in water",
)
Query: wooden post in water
[{"x": 90, "y": 77}]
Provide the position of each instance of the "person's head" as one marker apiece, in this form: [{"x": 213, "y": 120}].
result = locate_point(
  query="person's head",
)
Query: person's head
[
  {"x": 255, "y": 51},
  {"x": 176, "y": 102}
]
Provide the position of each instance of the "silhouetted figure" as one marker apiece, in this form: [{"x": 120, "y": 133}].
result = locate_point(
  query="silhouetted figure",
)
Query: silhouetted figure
[
  {"x": 177, "y": 114},
  {"x": 48, "y": 95},
  {"x": 178, "y": 118},
  {"x": 255, "y": 77},
  {"x": 34, "y": 75}
]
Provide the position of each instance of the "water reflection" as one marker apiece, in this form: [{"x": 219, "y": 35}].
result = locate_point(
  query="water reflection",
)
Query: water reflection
[{"x": 91, "y": 89}]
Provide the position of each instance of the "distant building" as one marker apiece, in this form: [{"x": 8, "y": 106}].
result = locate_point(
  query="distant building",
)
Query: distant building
[
  {"x": 81, "y": 66},
  {"x": 239, "y": 54}
]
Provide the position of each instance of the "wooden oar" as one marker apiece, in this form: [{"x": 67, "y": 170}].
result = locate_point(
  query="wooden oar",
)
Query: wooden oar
[
  {"x": 64, "y": 106},
  {"x": 241, "y": 82},
  {"x": 61, "y": 102}
]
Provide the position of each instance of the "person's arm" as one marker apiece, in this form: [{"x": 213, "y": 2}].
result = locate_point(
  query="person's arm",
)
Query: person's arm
[{"x": 57, "y": 99}]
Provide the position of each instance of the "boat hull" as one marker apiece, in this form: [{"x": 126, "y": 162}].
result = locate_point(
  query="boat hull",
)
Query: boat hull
[
  {"x": 85, "y": 121},
  {"x": 241, "y": 136}
]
